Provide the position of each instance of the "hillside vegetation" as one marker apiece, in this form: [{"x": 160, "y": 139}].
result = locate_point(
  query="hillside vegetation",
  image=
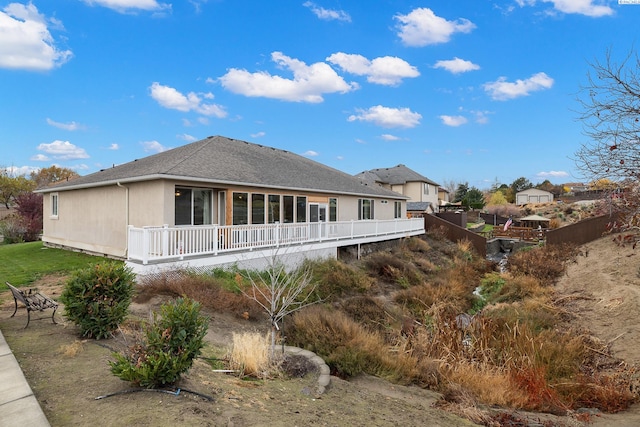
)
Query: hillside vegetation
[{"x": 430, "y": 313}]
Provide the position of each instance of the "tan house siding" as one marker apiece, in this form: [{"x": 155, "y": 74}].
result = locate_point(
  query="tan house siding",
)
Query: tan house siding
[{"x": 108, "y": 234}]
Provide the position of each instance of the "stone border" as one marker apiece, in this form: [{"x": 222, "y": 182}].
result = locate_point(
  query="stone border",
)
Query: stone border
[{"x": 325, "y": 373}]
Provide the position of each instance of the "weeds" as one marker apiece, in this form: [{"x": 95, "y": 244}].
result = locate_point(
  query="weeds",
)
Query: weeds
[
  {"x": 211, "y": 291},
  {"x": 249, "y": 355}
]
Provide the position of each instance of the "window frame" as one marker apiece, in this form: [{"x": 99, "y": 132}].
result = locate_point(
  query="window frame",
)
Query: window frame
[
  {"x": 235, "y": 215},
  {"x": 207, "y": 211},
  {"x": 366, "y": 206},
  {"x": 397, "y": 209},
  {"x": 54, "y": 198},
  {"x": 333, "y": 209}
]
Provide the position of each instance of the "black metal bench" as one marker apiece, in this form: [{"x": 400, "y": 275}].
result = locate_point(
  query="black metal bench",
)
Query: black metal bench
[{"x": 33, "y": 301}]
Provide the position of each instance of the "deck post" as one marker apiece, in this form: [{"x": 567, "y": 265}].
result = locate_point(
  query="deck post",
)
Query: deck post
[
  {"x": 165, "y": 240},
  {"x": 145, "y": 245}
]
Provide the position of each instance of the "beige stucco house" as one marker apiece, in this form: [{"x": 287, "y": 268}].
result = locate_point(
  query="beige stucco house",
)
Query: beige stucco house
[
  {"x": 212, "y": 197},
  {"x": 421, "y": 191}
]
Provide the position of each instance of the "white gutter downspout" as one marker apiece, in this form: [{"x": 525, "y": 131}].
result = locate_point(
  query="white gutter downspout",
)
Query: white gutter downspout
[{"x": 126, "y": 214}]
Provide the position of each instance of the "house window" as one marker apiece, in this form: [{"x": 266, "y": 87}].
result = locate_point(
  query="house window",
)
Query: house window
[
  {"x": 301, "y": 209},
  {"x": 193, "y": 206},
  {"x": 287, "y": 208},
  {"x": 274, "y": 208},
  {"x": 365, "y": 209},
  {"x": 426, "y": 188},
  {"x": 54, "y": 205},
  {"x": 333, "y": 209},
  {"x": 397, "y": 209},
  {"x": 240, "y": 208},
  {"x": 257, "y": 208}
]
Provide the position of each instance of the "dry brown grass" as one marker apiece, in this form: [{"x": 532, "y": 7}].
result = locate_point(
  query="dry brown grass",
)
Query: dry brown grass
[
  {"x": 208, "y": 291},
  {"x": 546, "y": 263},
  {"x": 250, "y": 355},
  {"x": 71, "y": 350},
  {"x": 336, "y": 279},
  {"x": 347, "y": 346},
  {"x": 515, "y": 353}
]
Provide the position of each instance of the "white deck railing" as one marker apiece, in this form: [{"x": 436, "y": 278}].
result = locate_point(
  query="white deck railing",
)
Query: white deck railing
[{"x": 168, "y": 243}]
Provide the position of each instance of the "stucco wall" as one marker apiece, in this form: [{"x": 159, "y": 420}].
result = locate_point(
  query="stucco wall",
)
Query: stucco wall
[
  {"x": 92, "y": 220},
  {"x": 96, "y": 219}
]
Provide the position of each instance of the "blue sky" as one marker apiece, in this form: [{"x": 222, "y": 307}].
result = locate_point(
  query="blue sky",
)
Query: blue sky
[{"x": 473, "y": 91}]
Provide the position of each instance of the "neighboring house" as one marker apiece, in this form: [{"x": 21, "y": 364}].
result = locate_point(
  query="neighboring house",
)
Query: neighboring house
[
  {"x": 444, "y": 197},
  {"x": 422, "y": 192},
  {"x": 533, "y": 195},
  {"x": 577, "y": 187},
  {"x": 213, "y": 197}
]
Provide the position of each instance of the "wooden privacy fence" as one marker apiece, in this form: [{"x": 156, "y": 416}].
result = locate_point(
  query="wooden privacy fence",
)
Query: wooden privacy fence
[
  {"x": 581, "y": 232},
  {"x": 456, "y": 233}
]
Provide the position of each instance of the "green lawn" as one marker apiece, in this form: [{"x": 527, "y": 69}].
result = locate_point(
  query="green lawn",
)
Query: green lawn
[{"x": 22, "y": 263}]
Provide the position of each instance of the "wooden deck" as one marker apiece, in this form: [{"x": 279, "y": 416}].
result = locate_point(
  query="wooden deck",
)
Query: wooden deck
[{"x": 519, "y": 233}]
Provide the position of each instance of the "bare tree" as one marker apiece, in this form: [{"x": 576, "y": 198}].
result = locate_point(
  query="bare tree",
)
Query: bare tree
[
  {"x": 611, "y": 119},
  {"x": 280, "y": 292},
  {"x": 610, "y": 113}
]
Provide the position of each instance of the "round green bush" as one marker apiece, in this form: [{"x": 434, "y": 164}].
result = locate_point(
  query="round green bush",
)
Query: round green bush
[
  {"x": 173, "y": 340},
  {"x": 97, "y": 298}
]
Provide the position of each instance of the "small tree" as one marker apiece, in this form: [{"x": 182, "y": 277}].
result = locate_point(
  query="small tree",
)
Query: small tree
[
  {"x": 497, "y": 198},
  {"x": 474, "y": 199},
  {"x": 29, "y": 207},
  {"x": 173, "y": 340},
  {"x": 280, "y": 292},
  {"x": 97, "y": 298},
  {"x": 12, "y": 186}
]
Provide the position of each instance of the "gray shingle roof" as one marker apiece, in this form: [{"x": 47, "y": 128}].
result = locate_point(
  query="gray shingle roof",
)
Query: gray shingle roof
[
  {"x": 418, "y": 206},
  {"x": 222, "y": 160},
  {"x": 396, "y": 175}
]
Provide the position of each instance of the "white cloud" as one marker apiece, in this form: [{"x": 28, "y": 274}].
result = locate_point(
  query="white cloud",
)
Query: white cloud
[
  {"x": 153, "y": 146},
  {"x": 186, "y": 137},
  {"x": 258, "y": 134},
  {"x": 384, "y": 70},
  {"x": 309, "y": 82},
  {"x": 453, "y": 121},
  {"x": 170, "y": 98},
  {"x": 39, "y": 158},
  {"x": 502, "y": 90},
  {"x": 422, "y": 27},
  {"x": 387, "y": 117},
  {"x": 552, "y": 174},
  {"x": 63, "y": 150},
  {"x": 66, "y": 126},
  {"x": 481, "y": 117},
  {"x": 25, "y": 40},
  {"x": 582, "y": 7},
  {"x": 389, "y": 137},
  {"x": 339, "y": 157},
  {"x": 123, "y": 6},
  {"x": 14, "y": 171},
  {"x": 327, "y": 14},
  {"x": 114, "y": 147},
  {"x": 310, "y": 153},
  {"x": 593, "y": 8},
  {"x": 456, "y": 65}
]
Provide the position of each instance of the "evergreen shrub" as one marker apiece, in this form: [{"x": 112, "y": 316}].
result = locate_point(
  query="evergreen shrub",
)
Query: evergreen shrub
[{"x": 97, "y": 298}]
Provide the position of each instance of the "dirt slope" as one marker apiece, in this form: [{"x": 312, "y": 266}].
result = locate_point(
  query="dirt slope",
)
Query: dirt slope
[{"x": 603, "y": 285}]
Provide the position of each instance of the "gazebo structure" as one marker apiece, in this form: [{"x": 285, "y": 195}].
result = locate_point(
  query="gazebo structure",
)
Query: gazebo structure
[{"x": 534, "y": 221}]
